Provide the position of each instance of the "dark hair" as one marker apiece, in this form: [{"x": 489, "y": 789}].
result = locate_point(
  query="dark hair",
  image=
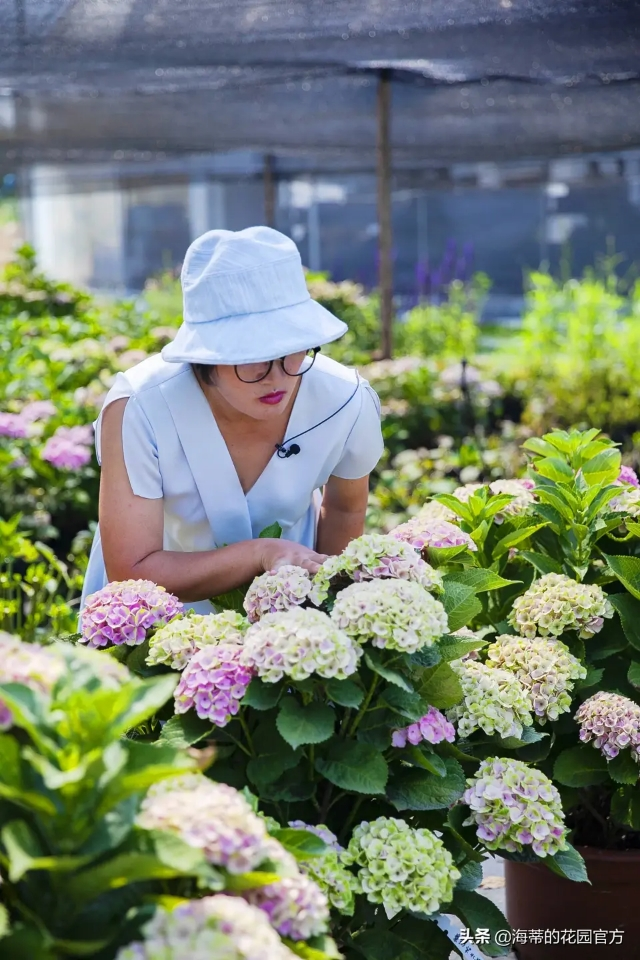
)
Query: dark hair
[{"x": 205, "y": 372}]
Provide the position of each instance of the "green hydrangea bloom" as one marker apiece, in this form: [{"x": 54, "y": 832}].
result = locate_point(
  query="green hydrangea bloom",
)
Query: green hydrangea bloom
[
  {"x": 494, "y": 701},
  {"x": 556, "y": 603},
  {"x": 176, "y": 643}
]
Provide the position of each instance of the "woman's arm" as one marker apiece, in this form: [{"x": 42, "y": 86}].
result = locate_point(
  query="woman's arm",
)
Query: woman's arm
[
  {"x": 132, "y": 527},
  {"x": 342, "y": 514}
]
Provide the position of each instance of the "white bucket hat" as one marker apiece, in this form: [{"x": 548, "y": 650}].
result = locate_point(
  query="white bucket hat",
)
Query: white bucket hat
[{"x": 246, "y": 300}]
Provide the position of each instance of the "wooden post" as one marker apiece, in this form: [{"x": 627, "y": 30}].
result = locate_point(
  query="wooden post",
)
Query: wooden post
[
  {"x": 269, "y": 191},
  {"x": 385, "y": 228}
]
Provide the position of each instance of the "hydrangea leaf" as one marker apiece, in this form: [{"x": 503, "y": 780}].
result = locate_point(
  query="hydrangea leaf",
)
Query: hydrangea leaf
[
  {"x": 428, "y": 761},
  {"x": 480, "y": 580},
  {"x": 298, "y": 724},
  {"x": 357, "y": 767},
  {"x": 273, "y": 532},
  {"x": 580, "y": 766},
  {"x": 261, "y": 695},
  {"x": 183, "y": 730},
  {"x": 301, "y": 843},
  {"x": 513, "y": 539},
  {"x": 346, "y": 693},
  {"x": 625, "y": 807},
  {"x": 628, "y": 609},
  {"x": 568, "y": 863},
  {"x": 452, "y": 648},
  {"x": 419, "y": 790},
  {"x": 540, "y": 562},
  {"x": 375, "y": 661},
  {"x": 477, "y": 911},
  {"x": 623, "y": 768},
  {"x": 460, "y": 603},
  {"x": 440, "y": 687},
  {"x": 627, "y": 570},
  {"x": 408, "y": 705},
  {"x": 232, "y": 600},
  {"x": 470, "y": 876},
  {"x": 553, "y": 468},
  {"x": 603, "y": 468},
  {"x": 267, "y": 769}
]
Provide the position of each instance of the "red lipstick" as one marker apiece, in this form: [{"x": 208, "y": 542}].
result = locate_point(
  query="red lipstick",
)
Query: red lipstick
[{"x": 273, "y": 398}]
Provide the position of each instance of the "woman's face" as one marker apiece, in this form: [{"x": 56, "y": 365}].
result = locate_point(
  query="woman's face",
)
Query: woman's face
[{"x": 262, "y": 399}]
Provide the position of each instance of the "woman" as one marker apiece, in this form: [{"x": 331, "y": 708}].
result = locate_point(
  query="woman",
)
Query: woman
[{"x": 238, "y": 424}]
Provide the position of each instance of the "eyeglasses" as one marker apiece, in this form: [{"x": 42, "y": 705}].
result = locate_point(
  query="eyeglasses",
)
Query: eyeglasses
[{"x": 294, "y": 365}]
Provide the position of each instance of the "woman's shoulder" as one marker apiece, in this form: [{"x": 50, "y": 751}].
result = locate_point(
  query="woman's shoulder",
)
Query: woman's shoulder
[{"x": 149, "y": 373}]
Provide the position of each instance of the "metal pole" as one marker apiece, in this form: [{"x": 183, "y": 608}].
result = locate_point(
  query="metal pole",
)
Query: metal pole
[
  {"x": 385, "y": 229},
  {"x": 269, "y": 191}
]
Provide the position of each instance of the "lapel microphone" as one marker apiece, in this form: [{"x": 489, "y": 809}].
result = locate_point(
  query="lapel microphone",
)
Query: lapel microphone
[{"x": 285, "y": 452}]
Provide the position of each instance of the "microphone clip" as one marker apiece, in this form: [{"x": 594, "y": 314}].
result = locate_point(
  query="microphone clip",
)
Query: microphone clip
[{"x": 284, "y": 454}]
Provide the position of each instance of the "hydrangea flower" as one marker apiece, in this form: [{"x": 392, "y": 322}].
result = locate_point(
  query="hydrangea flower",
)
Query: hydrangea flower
[
  {"x": 627, "y": 503},
  {"x": 298, "y": 643},
  {"x": 514, "y": 806},
  {"x": 13, "y": 425},
  {"x": 612, "y": 722},
  {"x": 545, "y": 668},
  {"x": 295, "y": 905},
  {"x": 520, "y": 490},
  {"x": 421, "y": 532},
  {"x": 327, "y": 871},
  {"x": 38, "y": 668},
  {"x": 433, "y": 727},
  {"x": 628, "y": 475},
  {"x": 176, "y": 642},
  {"x": 465, "y": 492},
  {"x": 38, "y": 410},
  {"x": 391, "y": 614},
  {"x": 494, "y": 701},
  {"x": 400, "y": 867},
  {"x": 211, "y": 816},
  {"x": 213, "y": 683},
  {"x": 371, "y": 557},
  {"x": 276, "y": 591},
  {"x": 434, "y": 510},
  {"x": 227, "y": 928},
  {"x": 123, "y": 611},
  {"x": 556, "y": 603},
  {"x": 69, "y": 447}
]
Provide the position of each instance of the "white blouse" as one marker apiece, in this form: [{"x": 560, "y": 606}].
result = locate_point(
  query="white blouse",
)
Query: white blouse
[{"x": 174, "y": 451}]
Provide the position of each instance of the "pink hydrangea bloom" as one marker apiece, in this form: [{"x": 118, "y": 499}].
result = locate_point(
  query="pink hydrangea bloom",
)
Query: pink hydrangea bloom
[
  {"x": 612, "y": 722},
  {"x": 81, "y": 434},
  {"x": 13, "y": 425},
  {"x": 64, "y": 454},
  {"x": 213, "y": 683},
  {"x": 295, "y": 905},
  {"x": 423, "y": 532},
  {"x": 28, "y": 663},
  {"x": 123, "y": 611},
  {"x": 433, "y": 727},
  {"x": 276, "y": 591},
  {"x": 628, "y": 475},
  {"x": 38, "y": 410}
]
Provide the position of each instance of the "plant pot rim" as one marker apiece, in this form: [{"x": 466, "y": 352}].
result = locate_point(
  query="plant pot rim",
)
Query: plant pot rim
[{"x": 590, "y": 853}]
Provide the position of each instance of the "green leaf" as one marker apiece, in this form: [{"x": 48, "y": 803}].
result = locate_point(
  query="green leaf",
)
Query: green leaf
[
  {"x": 298, "y": 724},
  {"x": 480, "y": 580},
  {"x": 261, "y": 695},
  {"x": 440, "y": 687},
  {"x": 458, "y": 507},
  {"x": 427, "y": 657},
  {"x": 232, "y": 600},
  {"x": 623, "y": 768},
  {"x": 357, "y": 767},
  {"x": 540, "y": 562},
  {"x": 603, "y": 468},
  {"x": 460, "y": 603},
  {"x": 470, "y": 876},
  {"x": 580, "y": 766},
  {"x": 478, "y": 912},
  {"x": 627, "y": 570},
  {"x": 274, "y": 532},
  {"x": 346, "y": 693},
  {"x": 126, "y": 868},
  {"x": 625, "y": 807},
  {"x": 301, "y": 843},
  {"x": 4, "y": 921},
  {"x": 419, "y": 790},
  {"x": 628, "y": 609},
  {"x": 513, "y": 539},
  {"x": 540, "y": 447},
  {"x": 183, "y": 730},
  {"x": 553, "y": 468},
  {"x": 428, "y": 761},
  {"x": 439, "y": 556},
  {"x": 375, "y": 660},
  {"x": 633, "y": 674},
  {"x": 452, "y": 648},
  {"x": 250, "y": 881},
  {"x": 568, "y": 863},
  {"x": 594, "y": 675},
  {"x": 147, "y": 763},
  {"x": 408, "y": 705},
  {"x": 135, "y": 703},
  {"x": 267, "y": 769},
  {"x": 24, "y": 853}
]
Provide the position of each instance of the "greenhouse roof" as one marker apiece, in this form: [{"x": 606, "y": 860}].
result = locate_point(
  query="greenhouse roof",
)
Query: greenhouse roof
[{"x": 471, "y": 79}]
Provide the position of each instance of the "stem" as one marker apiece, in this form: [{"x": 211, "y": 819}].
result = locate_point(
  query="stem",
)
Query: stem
[
  {"x": 326, "y": 802},
  {"x": 245, "y": 728},
  {"x": 239, "y": 744},
  {"x": 352, "y": 816},
  {"x": 365, "y": 705}
]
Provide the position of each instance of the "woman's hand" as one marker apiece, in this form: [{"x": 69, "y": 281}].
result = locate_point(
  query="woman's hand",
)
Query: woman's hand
[{"x": 278, "y": 553}]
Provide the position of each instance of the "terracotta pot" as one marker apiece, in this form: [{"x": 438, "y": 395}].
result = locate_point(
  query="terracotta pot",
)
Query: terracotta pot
[{"x": 539, "y": 900}]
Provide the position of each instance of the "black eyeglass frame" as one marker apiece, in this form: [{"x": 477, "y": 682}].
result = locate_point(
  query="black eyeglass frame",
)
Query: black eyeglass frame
[{"x": 280, "y": 360}]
